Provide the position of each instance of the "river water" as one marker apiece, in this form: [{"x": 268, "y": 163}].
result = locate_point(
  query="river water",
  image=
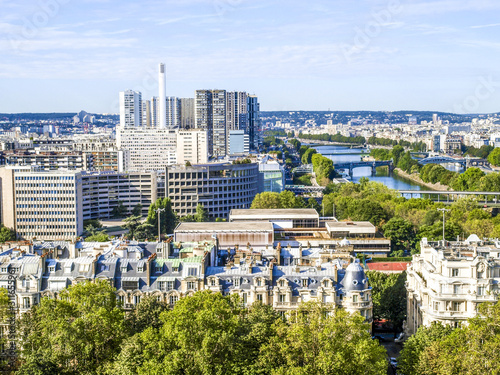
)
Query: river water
[{"x": 346, "y": 154}]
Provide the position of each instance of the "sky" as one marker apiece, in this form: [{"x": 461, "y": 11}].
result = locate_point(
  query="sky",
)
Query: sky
[{"x": 72, "y": 55}]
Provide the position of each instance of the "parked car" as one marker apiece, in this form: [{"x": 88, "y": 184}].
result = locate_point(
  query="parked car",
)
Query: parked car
[
  {"x": 393, "y": 362},
  {"x": 400, "y": 337}
]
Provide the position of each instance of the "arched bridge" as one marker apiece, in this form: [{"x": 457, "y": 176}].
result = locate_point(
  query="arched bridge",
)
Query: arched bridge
[
  {"x": 371, "y": 164},
  {"x": 465, "y": 162}
]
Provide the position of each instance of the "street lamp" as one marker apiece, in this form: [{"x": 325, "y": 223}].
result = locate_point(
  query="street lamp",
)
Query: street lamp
[
  {"x": 158, "y": 210},
  {"x": 443, "y": 210}
]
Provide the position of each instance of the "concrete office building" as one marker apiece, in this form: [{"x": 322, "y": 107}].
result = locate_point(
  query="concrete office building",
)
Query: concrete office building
[
  {"x": 130, "y": 109},
  {"x": 219, "y": 187},
  {"x": 192, "y": 146},
  {"x": 53, "y": 205},
  {"x": 149, "y": 149}
]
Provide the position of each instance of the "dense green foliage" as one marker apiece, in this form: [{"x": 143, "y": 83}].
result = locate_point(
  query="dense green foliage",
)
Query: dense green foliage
[
  {"x": 6, "y": 234},
  {"x": 285, "y": 199},
  {"x": 305, "y": 179},
  {"x": 334, "y": 138},
  {"x": 295, "y": 143},
  {"x": 119, "y": 210},
  {"x": 75, "y": 334},
  {"x": 323, "y": 169},
  {"x": 481, "y": 152},
  {"x": 168, "y": 218},
  {"x": 471, "y": 349},
  {"x": 494, "y": 157},
  {"x": 87, "y": 332},
  {"x": 389, "y": 297},
  {"x": 416, "y": 146}
]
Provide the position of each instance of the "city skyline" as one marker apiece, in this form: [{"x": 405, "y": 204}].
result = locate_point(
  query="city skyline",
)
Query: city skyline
[{"x": 60, "y": 56}]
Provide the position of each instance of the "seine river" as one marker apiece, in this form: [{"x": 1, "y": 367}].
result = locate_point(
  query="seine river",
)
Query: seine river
[{"x": 343, "y": 154}]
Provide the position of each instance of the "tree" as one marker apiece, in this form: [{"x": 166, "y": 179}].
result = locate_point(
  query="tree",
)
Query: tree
[
  {"x": 315, "y": 342},
  {"x": 6, "y": 234},
  {"x": 201, "y": 214},
  {"x": 200, "y": 335},
  {"x": 307, "y": 157},
  {"x": 79, "y": 333},
  {"x": 397, "y": 152},
  {"x": 469, "y": 180},
  {"x": 98, "y": 237},
  {"x": 494, "y": 157},
  {"x": 266, "y": 200},
  {"x": 410, "y": 359},
  {"x": 132, "y": 223},
  {"x": 146, "y": 314},
  {"x": 313, "y": 203},
  {"x": 168, "y": 218},
  {"x": 137, "y": 210},
  {"x": 119, "y": 210},
  {"x": 400, "y": 232}
]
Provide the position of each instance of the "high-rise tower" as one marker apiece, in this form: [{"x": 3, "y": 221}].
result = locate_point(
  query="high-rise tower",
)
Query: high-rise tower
[{"x": 162, "y": 97}]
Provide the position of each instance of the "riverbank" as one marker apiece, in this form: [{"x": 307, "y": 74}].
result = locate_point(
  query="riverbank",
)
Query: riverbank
[{"x": 416, "y": 179}]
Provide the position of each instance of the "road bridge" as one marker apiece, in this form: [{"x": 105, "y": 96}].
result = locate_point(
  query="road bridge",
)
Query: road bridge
[
  {"x": 465, "y": 162},
  {"x": 301, "y": 189},
  {"x": 350, "y": 166},
  {"x": 489, "y": 198}
]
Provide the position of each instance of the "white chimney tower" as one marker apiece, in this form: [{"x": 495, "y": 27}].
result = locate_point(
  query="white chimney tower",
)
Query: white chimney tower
[{"x": 162, "y": 97}]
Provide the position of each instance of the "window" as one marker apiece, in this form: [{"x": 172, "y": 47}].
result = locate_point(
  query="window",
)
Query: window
[
  {"x": 191, "y": 285},
  {"x": 454, "y": 272},
  {"x": 282, "y": 283},
  {"x": 259, "y": 282},
  {"x": 244, "y": 298},
  {"x": 457, "y": 289},
  {"x": 304, "y": 283},
  {"x": 325, "y": 298},
  {"x": 137, "y": 299},
  {"x": 325, "y": 283},
  {"x": 436, "y": 306},
  {"x": 140, "y": 269},
  {"x": 281, "y": 298},
  {"x": 212, "y": 282},
  {"x": 26, "y": 302},
  {"x": 158, "y": 267},
  {"x": 355, "y": 298},
  {"x": 172, "y": 300},
  {"x": 259, "y": 297},
  {"x": 481, "y": 290},
  {"x": 170, "y": 285},
  {"x": 236, "y": 282},
  {"x": 192, "y": 271},
  {"x": 456, "y": 306}
]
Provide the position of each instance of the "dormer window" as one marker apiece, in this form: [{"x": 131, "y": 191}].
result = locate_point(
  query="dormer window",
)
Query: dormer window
[
  {"x": 236, "y": 282},
  {"x": 123, "y": 268},
  {"x": 140, "y": 269},
  {"x": 159, "y": 267},
  {"x": 4, "y": 270},
  {"x": 212, "y": 282},
  {"x": 304, "y": 283},
  {"x": 192, "y": 271},
  {"x": 259, "y": 282},
  {"x": 325, "y": 283},
  {"x": 282, "y": 283},
  {"x": 51, "y": 269}
]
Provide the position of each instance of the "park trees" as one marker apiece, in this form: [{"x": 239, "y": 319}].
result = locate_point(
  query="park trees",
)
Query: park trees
[
  {"x": 77, "y": 334},
  {"x": 312, "y": 341},
  {"x": 400, "y": 232},
  {"x": 494, "y": 157}
]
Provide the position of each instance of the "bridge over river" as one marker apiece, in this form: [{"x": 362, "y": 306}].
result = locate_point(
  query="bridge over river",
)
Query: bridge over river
[{"x": 487, "y": 198}]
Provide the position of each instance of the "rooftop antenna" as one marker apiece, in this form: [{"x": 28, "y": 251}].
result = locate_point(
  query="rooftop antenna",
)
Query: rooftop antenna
[{"x": 443, "y": 210}]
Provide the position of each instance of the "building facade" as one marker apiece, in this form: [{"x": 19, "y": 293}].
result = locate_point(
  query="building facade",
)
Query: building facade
[
  {"x": 130, "y": 108},
  {"x": 446, "y": 282},
  {"x": 192, "y": 146},
  {"x": 149, "y": 149},
  {"x": 218, "y": 187},
  {"x": 210, "y": 115}
]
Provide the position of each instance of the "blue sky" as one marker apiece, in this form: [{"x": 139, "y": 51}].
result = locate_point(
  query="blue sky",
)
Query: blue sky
[{"x": 68, "y": 55}]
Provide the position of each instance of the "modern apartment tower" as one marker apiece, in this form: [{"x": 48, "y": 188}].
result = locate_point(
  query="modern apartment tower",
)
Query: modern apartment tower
[
  {"x": 210, "y": 115},
  {"x": 173, "y": 112},
  {"x": 130, "y": 108},
  {"x": 162, "y": 97},
  {"x": 187, "y": 113},
  {"x": 253, "y": 129}
]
